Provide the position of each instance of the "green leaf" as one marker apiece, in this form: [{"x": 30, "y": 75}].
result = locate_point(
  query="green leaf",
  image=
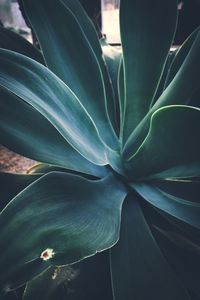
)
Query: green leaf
[
  {"x": 13, "y": 41},
  {"x": 61, "y": 36},
  {"x": 180, "y": 56},
  {"x": 184, "y": 210},
  {"x": 89, "y": 30},
  {"x": 185, "y": 263},
  {"x": 24, "y": 130},
  {"x": 162, "y": 81},
  {"x": 39, "y": 87},
  {"x": 11, "y": 184},
  {"x": 143, "y": 61},
  {"x": 121, "y": 92},
  {"x": 112, "y": 57},
  {"x": 185, "y": 189},
  {"x": 139, "y": 270},
  {"x": 95, "y": 173},
  {"x": 72, "y": 216},
  {"x": 184, "y": 85},
  {"x": 89, "y": 279},
  {"x": 171, "y": 148},
  {"x": 180, "y": 240}
]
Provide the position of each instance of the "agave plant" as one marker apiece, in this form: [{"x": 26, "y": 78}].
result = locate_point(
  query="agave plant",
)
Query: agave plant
[{"x": 112, "y": 211}]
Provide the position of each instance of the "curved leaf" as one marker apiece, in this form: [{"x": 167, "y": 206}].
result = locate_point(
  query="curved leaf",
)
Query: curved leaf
[
  {"x": 112, "y": 57},
  {"x": 185, "y": 263},
  {"x": 95, "y": 173},
  {"x": 143, "y": 61},
  {"x": 11, "y": 184},
  {"x": 162, "y": 81},
  {"x": 139, "y": 270},
  {"x": 180, "y": 56},
  {"x": 183, "y": 210},
  {"x": 39, "y": 87},
  {"x": 73, "y": 216},
  {"x": 61, "y": 36},
  {"x": 171, "y": 148},
  {"x": 24, "y": 130},
  {"x": 89, "y": 30},
  {"x": 186, "y": 189},
  {"x": 89, "y": 279},
  {"x": 121, "y": 92},
  {"x": 184, "y": 85},
  {"x": 13, "y": 41}
]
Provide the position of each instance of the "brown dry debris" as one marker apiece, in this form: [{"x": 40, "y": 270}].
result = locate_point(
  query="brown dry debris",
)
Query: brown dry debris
[{"x": 12, "y": 162}]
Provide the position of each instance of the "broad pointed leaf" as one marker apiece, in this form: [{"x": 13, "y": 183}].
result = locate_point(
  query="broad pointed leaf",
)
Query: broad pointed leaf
[
  {"x": 143, "y": 60},
  {"x": 186, "y": 189},
  {"x": 72, "y": 216},
  {"x": 13, "y": 41},
  {"x": 183, "y": 210},
  {"x": 61, "y": 36},
  {"x": 89, "y": 279},
  {"x": 171, "y": 148},
  {"x": 39, "y": 87},
  {"x": 11, "y": 184},
  {"x": 112, "y": 57},
  {"x": 139, "y": 270},
  {"x": 180, "y": 56},
  {"x": 185, "y": 263},
  {"x": 42, "y": 168},
  {"x": 162, "y": 81},
  {"x": 24, "y": 130},
  {"x": 177, "y": 92},
  {"x": 89, "y": 30}
]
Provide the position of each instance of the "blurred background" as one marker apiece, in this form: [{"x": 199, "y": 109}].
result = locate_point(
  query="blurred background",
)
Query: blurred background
[{"x": 105, "y": 15}]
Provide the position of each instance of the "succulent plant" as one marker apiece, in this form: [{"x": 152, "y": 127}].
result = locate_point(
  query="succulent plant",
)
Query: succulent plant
[{"x": 112, "y": 211}]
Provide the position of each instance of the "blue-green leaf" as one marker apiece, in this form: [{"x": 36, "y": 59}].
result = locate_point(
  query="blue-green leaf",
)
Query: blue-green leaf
[
  {"x": 180, "y": 56},
  {"x": 143, "y": 60},
  {"x": 183, "y": 86},
  {"x": 39, "y": 87},
  {"x": 171, "y": 148},
  {"x": 95, "y": 172},
  {"x": 112, "y": 57},
  {"x": 69, "y": 54},
  {"x": 25, "y": 131},
  {"x": 139, "y": 270},
  {"x": 72, "y": 216},
  {"x": 185, "y": 263},
  {"x": 13, "y": 41},
  {"x": 89, "y": 279},
  {"x": 186, "y": 189},
  {"x": 184, "y": 210},
  {"x": 11, "y": 184}
]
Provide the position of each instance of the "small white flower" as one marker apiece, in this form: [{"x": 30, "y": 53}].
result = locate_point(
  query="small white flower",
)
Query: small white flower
[{"x": 47, "y": 254}]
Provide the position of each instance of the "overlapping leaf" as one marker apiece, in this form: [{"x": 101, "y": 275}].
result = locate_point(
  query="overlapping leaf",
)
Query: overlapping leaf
[
  {"x": 73, "y": 216},
  {"x": 183, "y": 86},
  {"x": 139, "y": 270},
  {"x": 172, "y": 147},
  {"x": 183, "y": 210},
  {"x": 180, "y": 56},
  {"x": 89, "y": 279},
  {"x": 13, "y": 41},
  {"x": 143, "y": 59},
  {"x": 113, "y": 61},
  {"x": 11, "y": 184},
  {"x": 76, "y": 62},
  {"x": 24, "y": 130},
  {"x": 39, "y": 87}
]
